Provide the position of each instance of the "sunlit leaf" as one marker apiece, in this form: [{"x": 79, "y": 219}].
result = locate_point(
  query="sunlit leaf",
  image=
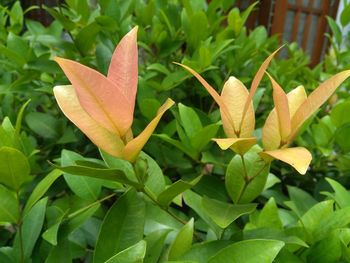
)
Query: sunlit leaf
[
  {"x": 282, "y": 110},
  {"x": 315, "y": 100},
  {"x": 133, "y": 148},
  {"x": 298, "y": 157},
  {"x": 238, "y": 145},
  {"x": 101, "y": 137},
  {"x": 123, "y": 70},
  {"x": 100, "y": 98},
  {"x": 234, "y": 94}
]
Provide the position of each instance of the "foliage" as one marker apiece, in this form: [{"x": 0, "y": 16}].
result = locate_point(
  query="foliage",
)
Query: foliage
[{"x": 178, "y": 197}]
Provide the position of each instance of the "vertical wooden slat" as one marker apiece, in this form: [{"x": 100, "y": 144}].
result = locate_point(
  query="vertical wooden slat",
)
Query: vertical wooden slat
[
  {"x": 280, "y": 13},
  {"x": 306, "y": 32}
]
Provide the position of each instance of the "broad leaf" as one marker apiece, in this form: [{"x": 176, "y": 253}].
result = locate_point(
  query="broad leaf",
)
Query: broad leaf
[
  {"x": 223, "y": 214},
  {"x": 182, "y": 242},
  {"x": 133, "y": 254},
  {"x": 8, "y": 206},
  {"x": 14, "y": 168},
  {"x": 252, "y": 251},
  {"x": 122, "y": 227}
]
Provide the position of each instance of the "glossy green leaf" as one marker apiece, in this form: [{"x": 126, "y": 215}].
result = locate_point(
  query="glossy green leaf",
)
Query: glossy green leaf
[
  {"x": 14, "y": 168},
  {"x": 201, "y": 252},
  {"x": 31, "y": 229},
  {"x": 256, "y": 169},
  {"x": 223, "y": 214},
  {"x": 190, "y": 120},
  {"x": 155, "y": 244},
  {"x": 122, "y": 226},
  {"x": 133, "y": 254},
  {"x": 180, "y": 186},
  {"x": 9, "y": 211},
  {"x": 252, "y": 251},
  {"x": 182, "y": 242},
  {"x": 41, "y": 189},
  {"x": 341, "y": 196},
  {"x": 85, "y": 187}
]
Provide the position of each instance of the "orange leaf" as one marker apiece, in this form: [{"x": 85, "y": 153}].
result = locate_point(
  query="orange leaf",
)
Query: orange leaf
[
  {"x": 234, "y": 95},
  {"x": 271, "y": 137},
  {"x": 133, "y": 148},
  {"x": 212, "y": 92},
  {"x": 298, "y": 157},
  {"x": 256, "y": 81},
  {"x": 99, "y": 97},
  {"x": 238, "y": 145},
  {"x": 123, "y": 70},
  {"x": 101, "y": 137},
  {"x": 282, "y": 110},
  {"x": 316, "y": 99}
]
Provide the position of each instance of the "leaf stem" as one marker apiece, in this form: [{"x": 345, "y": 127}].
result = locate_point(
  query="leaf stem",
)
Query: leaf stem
[
  {"x": 19, "y": 229},
  {"x": 70, "y": 216}
]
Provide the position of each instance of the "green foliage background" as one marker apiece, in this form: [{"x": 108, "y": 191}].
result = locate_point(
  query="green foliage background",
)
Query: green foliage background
[{"x": 174, "y": 205}]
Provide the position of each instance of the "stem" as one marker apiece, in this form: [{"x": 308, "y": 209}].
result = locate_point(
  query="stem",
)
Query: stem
[
  {"x": 19, "y": 229},
  {"x": 70, "y": 216}
]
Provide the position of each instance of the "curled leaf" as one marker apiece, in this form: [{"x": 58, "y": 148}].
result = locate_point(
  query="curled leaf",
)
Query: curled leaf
[
  {"x": 238, "y": 145},
  {"x": 298, "y": 157}
]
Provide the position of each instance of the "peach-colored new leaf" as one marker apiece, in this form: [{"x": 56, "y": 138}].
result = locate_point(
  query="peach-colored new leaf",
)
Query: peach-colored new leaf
[
  {"x": 101, "y": 137},
  {"x": 271, "y": 137},
  {"x": 256, "y": 81},
  {"x": 316, "y": 99},
  {"x": 298, "y": 157},
  {"x": 123, "y": 67},
  {"x": 212, "y": 92},
  {"x": 282, "y": 109},
  {"x": 134, "y": 147},
  {"x": 99, "y": 97},
  {"x": 234, "y": 95},
  {"x": 238, "y": 145}
]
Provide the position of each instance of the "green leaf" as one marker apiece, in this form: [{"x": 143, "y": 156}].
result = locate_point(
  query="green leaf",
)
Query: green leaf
[
  {"x": 55, "y": 216},
  {"x": 256, "y": 169},
  {"x": 181, "y": 146},
  {"x": 190, "y": 120},
  {"x": 86, "y": 38},
  {"x": 204, "y": 136},
  {"x": 345, "y": 15},
  {"x": 182, "y": 242},
  {"x": 201, "y": 252},
  {"x": 117, "y": 175},
  {"x": 85, "y": 187},
  {"x": 180, "y": 186},
  {"x": 41, "y": 189},
  {"x": 302, "y": 201},
  {"x": 122, "y": 227},
  {"x": 339, "y": 114},
  {"x": 155, "y": 177},
  {"x": 341, "y": 196},
  {"x": 331, "y": 221},
  {"x": 133, "y": 254},
  {"x": 20, "y": 117},
  {"x": 14, "y": 168},
  {"x": 223, "y": 214},
  {"x": 155, "y": 242},
  {"x": 311, "y": 219},
  {"x": 44, "y": 125},
  {"x": 9, "y": 211},
  {"x": 31, "y": 228},
  {"x": 341, "y": 137},
  {"x": 194, "y": 201},
  {"x": 268, "y": 216},
  {"x": 252, "y": 251},
  {"x": 335, "y": 30}
]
